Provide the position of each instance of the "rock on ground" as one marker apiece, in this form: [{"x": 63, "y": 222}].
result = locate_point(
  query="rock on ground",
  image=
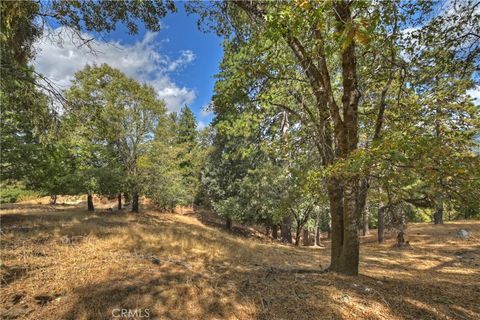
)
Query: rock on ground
[{"x": 462, "y": 234}]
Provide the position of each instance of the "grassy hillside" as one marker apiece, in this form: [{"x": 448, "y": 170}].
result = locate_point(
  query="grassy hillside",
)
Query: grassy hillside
[{"x": 64, "y": 263}]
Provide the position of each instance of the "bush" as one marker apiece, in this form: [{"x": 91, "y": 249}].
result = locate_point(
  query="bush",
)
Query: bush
[{"x": 12, "y": 194}]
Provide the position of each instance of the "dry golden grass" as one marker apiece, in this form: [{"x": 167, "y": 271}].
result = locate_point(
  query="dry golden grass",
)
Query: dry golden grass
[{"x": 65, "y": 263}]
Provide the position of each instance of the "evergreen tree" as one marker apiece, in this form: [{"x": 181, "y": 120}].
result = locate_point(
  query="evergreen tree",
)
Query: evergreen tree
[{"x": 186, "y": 127}]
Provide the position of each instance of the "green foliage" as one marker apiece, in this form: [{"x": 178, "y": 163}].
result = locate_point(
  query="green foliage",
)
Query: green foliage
[
  {"x": 23, "y": 23},
  {"x": 186, "y": 126},
  {"x": 30, "y": 118},
  {"x": 16, "y": 193},
  {"x": 173, "y": 164},
  {"x": 18, "y": 32},
  {"x": 104, "y": 16},
  {"x": 302, "y": 98},
  {"x": 162, "y": 168},
  {"x": 111, "y": 121},
  {"x": 415, "y": 123}
]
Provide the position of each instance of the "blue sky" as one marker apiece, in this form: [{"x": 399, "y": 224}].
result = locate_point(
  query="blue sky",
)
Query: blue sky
[
  {"x": 182, "y": 33},
  {"x": 179, "y": 62}
]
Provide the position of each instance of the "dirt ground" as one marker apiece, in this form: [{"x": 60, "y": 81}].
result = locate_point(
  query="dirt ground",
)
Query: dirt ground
[{"x": 61, "y": 262}]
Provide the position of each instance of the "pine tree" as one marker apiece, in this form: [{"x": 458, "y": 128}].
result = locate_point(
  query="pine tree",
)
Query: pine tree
[{"x": 186, "y": 127}]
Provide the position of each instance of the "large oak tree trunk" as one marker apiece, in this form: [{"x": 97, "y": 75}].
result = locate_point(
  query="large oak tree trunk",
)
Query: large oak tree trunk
[
  {"x": 335, "y": 195},
  {"x": 286, "y": 229},
  {"x": 351, "y": 243},
  {"x": 135, "y": 200},
  {"x": 343, "y": 198},
  {"x": 90, "y": 206},
  {"x": 381, "y": 223}
]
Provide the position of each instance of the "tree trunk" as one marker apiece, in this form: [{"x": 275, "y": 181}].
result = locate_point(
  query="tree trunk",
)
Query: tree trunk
[
  {"x": 381, "y": 223},
  {"x": 297, "y": 235},
  {"x": 366, "y": 216},
  {"x": 286, "y": 229},
  {"x": 335, "y": 195},
  {"x": 120, "y": 201},
  {"x": 90, "y": 202},
  {"x": 228, "y": 223},
  {"x": 400, "y": 238},
  {"x": 361, "y": 205},
  {"x": 135, "y": 205},
  {"x": 317, "y": 237},
  {"x": 306, "y": 238},
  {"x": 53, "y": 199},
  {"x": 275, "y": 231},
  {"x": 350, "y": 258},
  {"x": 438, "y": 215},
  {"x": 345, "y": 251},
  {"x": 317, "y": 231}
]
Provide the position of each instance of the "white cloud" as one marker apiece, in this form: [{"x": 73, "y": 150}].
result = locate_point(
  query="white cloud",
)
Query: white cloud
[
  {"x": 186, "y": 57},
  {"x": 59, "y": 60},
  {"x": 201, "y": 125}
]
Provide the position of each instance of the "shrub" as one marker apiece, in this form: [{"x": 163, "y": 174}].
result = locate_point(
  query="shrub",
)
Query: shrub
[{"x": 12, "y": 194}]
